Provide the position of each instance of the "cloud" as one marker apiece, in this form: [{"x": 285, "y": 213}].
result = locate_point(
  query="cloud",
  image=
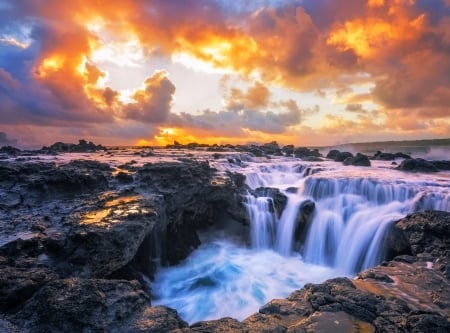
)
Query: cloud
[
  {"x": 256, "y": 97},
  {"x": 151, "y": 104},
  {"x": 394, "y": 54}
]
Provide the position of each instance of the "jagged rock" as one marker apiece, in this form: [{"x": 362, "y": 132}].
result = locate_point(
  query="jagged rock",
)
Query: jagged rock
[
  {"x": 417, "y": 165},
  {"x": 302, "y": 152},
  {"x": 11, "y": 151},
  {"x": 342, "y": 156},
  {"x": 288, "y": 150},
  {"x": 271, "y": 148},
  {"x": 279, "y": 199},
  {"x": 441, "y": 165},
  {"x": 384, "y": 156},
  {"x": 78, "y": 305},
  {"x": 332, "y": 154},
  {"x": 402, "y": 155},
  {"x": 427, "y": 232},
  {"x": 82, "y": 147},
  {"x": 312, "y": 159},
  {"x": 358, "y": 160}
]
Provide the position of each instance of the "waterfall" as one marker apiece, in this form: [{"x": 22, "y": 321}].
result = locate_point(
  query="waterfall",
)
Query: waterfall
[
  {"x": 351, "y": 218},
  {"x": 263, "y": 221}
]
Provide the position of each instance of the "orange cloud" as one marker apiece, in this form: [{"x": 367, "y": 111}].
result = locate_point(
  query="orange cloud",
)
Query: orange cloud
[{"x": 399, "y": 47}]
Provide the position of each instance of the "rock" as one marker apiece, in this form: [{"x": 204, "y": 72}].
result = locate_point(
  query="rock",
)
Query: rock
[
  {"x": 441, "y": 165},
  {"x": 304, "y": 217},
  {"x": 342, "y": 156},
  {"x": 332, "y": 154},
  {"x": 82, "y": 147},
  {"x": 11, "y": 151},
  {"x": 427, "y": 233},
  {"x": 417, "y": 165},
  {"x": 78, "y": 305},
  {"x": 402, "y": 155},
  {"x": 271, "y": 148},
  {"x": 220, "y": 325},
  {"x": 384, "y": 156},
  {"x": 358, "y": 160},
  {"x": 302, "y": 152},
  {"x": 124, "y": 178},
  {"x": 312, "y": 159},
  {"x": 288, "y": 150},
  {"x": 279, "y": 199}
]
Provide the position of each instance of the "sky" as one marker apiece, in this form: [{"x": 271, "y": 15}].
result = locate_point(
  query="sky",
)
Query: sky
[{"x": 148, "y": 72}]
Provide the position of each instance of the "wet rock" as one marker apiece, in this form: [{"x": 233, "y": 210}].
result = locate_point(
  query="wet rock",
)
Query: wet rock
[
  {"x": 384, "y": 156},
  {"x": 427, "y": 233},
  {"x": 279, "y": 199},
  {"x": 288, "y": 150},
  {"x": 358, "y": 160},
  {"x": 124, "y": 178},
  {"x": 271, "y": 148},
  {"x": 441, "y": 165},
  {"x": 220, "y": 325},
  {"x": 402, "y": 155},
  {"x": 342, "y": 156},
  {"x": 78, "y": 305},
  {"x": 417, "y": 165},
  {"x": 302, "y": 152},
  {"x": 82, "y": 147},
  {"x": 10, "y": 151},
  {"x": 332, "y": 154}
]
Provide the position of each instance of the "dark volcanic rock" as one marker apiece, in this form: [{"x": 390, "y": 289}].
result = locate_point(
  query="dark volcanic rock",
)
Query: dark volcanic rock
[
  {"x": 271, "y": 148},
  {"x": 441, "y": 165},
  {"x": 427, "y": 233},
  {"x": 417, "y": 165},
  {"x": 77, "y": 305},
  {"x": 302, "y": 152},
  {"x": 332, "y": 154},
  {"x": 11, "y": 151},
  {"x": 342, "y": 156},
  {"x": 82, "y": 147},
  {"x": 384, "y": 156},
  {"x": 402, "y": 155},
  {"x": 358, "y": 160},
  {"x": 279, "y": 199},
  {"x": 288, "y": 150}
]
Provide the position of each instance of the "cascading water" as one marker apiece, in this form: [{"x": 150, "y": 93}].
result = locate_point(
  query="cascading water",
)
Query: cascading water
[
  {"x": 354, "y": 207},
  {"x": 263, "y": 221}
]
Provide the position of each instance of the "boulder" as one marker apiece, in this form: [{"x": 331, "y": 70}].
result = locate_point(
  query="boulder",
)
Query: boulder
[
  {"x": 279, "y": 199},
  {"x": 441, "y": 165},
  {"x": 271, "y": 148},
  {"x": 288, "y": 150},
  {"x": 82, "y": 147},
  {"x": 384, "y": 156},
  {"x": 11, "y": 151},
  {"x": 332, "y": 154},
  {"x": 341, "y": 156},
  {"x": 358, "y": 160},
  {"x": 402, "y": 155},
  {"x": 302, "y": 152},
  {"x": 79, "y": 305},
  {"x": 417, "y": 165}
]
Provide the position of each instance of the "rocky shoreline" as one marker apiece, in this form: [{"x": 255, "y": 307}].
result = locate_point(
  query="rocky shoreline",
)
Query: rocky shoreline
[{"x": 79, "y": 240}]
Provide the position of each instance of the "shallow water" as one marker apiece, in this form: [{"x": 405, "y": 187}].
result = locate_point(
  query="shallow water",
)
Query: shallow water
[{"x": 222, "y": 279}]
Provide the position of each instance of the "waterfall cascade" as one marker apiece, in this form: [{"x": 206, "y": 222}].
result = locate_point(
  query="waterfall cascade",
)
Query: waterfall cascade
[
  {"x": 351, "y": 218},
  {"x": 354, "y": 208}
]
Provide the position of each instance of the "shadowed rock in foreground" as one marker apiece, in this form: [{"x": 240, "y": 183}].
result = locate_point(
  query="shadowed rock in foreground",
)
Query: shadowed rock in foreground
[{"x": 75, "y": 242}]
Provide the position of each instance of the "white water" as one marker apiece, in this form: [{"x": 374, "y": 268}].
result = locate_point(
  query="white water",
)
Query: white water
[{"x": 354, "y": 208}]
